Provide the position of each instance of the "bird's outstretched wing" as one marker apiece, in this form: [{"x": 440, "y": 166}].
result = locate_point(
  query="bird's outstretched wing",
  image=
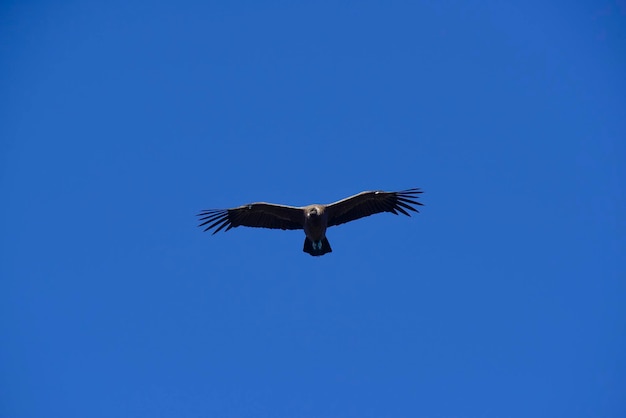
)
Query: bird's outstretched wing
[
  {"x": 256, "y": 215},
  {"x": 368, "y": 203}
]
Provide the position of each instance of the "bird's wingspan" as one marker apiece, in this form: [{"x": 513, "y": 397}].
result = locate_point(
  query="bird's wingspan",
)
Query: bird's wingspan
[
  {"x": 371, "y": 202},
  {"x": 256, "y": 215}
]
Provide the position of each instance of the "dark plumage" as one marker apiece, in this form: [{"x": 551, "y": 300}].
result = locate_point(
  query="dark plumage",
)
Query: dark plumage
[{"x": 314, "y": 219}]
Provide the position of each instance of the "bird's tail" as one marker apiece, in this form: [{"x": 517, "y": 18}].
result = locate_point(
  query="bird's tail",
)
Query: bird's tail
[{"x": 317, "y": 248}]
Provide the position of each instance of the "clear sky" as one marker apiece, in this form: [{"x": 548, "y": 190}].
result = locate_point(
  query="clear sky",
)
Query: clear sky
[{"x": 504, "y": 297}]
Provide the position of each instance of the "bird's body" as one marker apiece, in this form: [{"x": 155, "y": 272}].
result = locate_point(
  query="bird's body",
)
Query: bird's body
[
  {"x": 313, "y": 219},
  {"x": 315, "y": 224}
]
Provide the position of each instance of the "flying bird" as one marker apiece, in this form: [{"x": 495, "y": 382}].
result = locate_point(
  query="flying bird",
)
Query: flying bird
[{"x": 313, "y": 219}]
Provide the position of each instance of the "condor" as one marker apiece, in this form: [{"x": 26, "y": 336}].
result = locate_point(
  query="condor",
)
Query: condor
[{"x": 313, "y": 219}]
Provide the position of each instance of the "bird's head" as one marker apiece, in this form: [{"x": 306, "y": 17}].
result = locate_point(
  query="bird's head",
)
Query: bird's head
[{"x": 313, "y": 212}]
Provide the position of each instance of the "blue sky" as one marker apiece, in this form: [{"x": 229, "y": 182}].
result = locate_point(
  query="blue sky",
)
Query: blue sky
[{"x": 504, "y": 297}]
